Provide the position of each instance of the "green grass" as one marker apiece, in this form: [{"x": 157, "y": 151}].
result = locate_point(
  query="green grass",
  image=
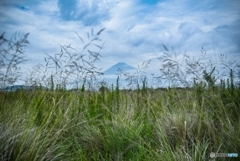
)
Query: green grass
[{"x": 173, "y": 124}]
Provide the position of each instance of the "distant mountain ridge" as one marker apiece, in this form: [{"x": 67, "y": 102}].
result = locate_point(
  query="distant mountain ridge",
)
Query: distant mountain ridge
[
  {"x": 115, "y": 68},
  {"x": 21, "y": 87}
]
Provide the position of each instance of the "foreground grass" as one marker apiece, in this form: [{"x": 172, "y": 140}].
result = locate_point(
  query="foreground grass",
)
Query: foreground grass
[{"x": 146, "y": 124}]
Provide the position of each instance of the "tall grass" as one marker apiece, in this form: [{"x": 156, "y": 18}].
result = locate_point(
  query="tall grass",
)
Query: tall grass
[
  {"x": 11, "y": 56},
  {"x": 186, "y": 123},
  {"x": 172, "y": 124}
]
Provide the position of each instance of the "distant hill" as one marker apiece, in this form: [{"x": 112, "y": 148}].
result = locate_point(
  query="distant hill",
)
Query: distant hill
[
  {"x": 21, "y": 87},
  {"x": 114, "y": 69}
]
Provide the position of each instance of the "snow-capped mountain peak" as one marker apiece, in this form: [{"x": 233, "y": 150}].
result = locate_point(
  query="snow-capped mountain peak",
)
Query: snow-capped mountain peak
[{"x": 119, "y": 66}]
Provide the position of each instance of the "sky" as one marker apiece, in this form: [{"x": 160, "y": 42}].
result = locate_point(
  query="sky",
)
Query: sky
[{"x": 134, "y": 29}]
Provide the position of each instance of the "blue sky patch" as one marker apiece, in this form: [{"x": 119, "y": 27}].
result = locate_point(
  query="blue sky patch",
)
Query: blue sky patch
[
  {"x": 21, "y": 7},
  {"x": 149, "y": 2}
]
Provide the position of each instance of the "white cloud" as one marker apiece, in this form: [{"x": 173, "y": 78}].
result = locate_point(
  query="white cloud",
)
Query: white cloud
[{"x": 134, "y": 31}]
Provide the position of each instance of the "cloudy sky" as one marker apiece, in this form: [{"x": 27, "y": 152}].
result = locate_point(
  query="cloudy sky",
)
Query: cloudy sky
[{"x": 135, "y": 29}]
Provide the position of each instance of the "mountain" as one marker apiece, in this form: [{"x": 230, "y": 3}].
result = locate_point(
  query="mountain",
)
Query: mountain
[
  {"x": 114, "y": 69},
  {"x": 21, "y": 87}
]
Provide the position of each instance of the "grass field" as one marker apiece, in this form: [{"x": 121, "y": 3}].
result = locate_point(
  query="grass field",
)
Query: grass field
[
  {"x": 144, "y": 124},
  {"x": 163, "y": 124}
]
